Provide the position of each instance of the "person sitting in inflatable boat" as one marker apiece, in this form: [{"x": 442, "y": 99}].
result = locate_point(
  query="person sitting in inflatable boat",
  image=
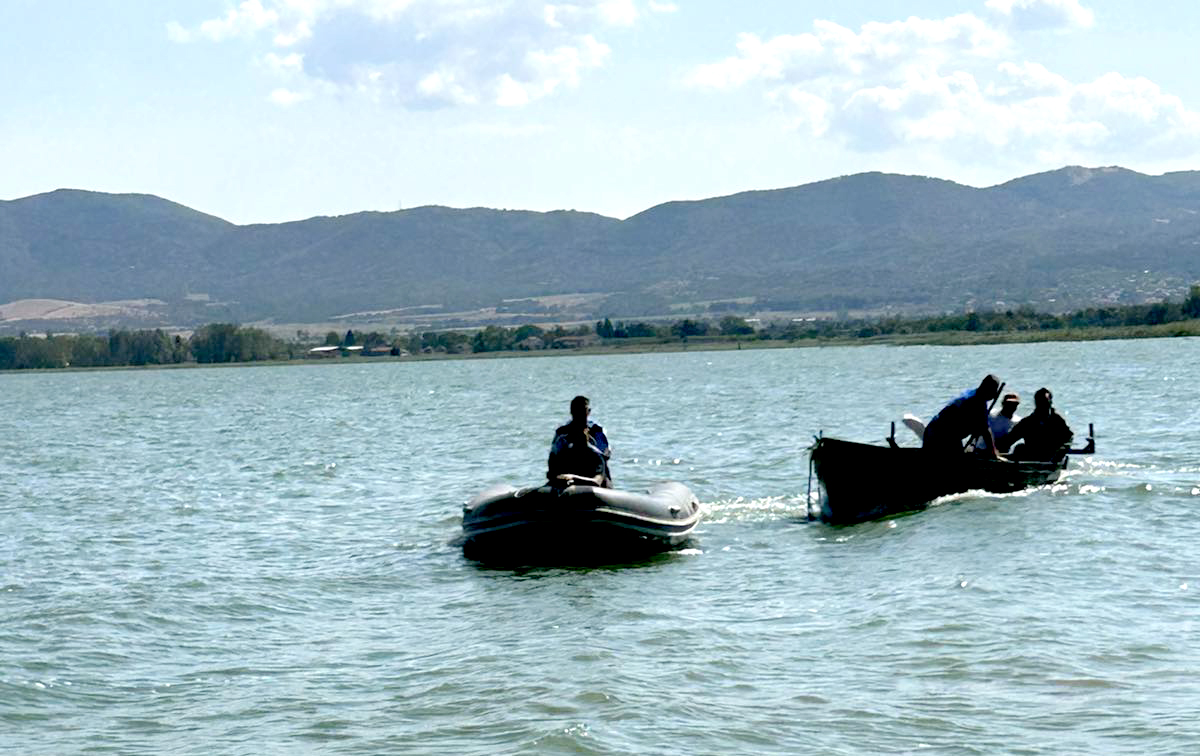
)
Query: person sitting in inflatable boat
[{"x": 579, "y": 453}]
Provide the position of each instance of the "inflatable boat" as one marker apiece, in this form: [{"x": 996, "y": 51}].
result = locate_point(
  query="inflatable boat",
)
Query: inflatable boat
[{"x": 577, "y": 522}]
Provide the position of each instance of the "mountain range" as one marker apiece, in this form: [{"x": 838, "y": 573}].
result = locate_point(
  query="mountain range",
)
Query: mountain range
[{"x": 869, "y": 242}]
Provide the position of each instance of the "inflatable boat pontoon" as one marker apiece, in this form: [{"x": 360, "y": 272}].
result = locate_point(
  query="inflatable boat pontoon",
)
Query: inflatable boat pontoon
[{"x": 577, "y": 520}]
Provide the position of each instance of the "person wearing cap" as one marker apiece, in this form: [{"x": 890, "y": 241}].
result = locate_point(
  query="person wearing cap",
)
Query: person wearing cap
[
  {"x": 579, "y": 453},
  {"x": 966, "y": 415},
  {"x": 1002, "y": 420},
  {"x": 1044, "y": 432}
]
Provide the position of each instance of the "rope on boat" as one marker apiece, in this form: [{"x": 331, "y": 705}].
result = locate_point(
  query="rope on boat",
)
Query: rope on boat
[{"x": 808, "y": 495}]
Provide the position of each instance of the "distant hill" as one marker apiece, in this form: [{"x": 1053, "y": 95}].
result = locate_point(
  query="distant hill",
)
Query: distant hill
[
  {"x": 88, "y": 245},
  {"x": 1067, "y": 238}
]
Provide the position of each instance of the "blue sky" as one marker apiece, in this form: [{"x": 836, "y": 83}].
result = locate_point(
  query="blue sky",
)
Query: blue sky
[{"x": 275, "y": 110}]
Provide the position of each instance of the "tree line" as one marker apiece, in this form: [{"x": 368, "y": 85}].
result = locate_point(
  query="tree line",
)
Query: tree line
[
  {"x": 227, "y": 343},
  {"x": 210, "y": 344},
  {"x": 1022, "y": 320}
]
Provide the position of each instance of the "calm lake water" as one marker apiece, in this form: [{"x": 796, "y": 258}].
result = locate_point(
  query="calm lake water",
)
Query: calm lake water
[{"x": 262, "y": 560}]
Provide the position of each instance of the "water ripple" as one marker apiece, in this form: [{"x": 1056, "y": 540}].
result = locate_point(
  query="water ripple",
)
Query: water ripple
[{"x": 262, "y": 560}]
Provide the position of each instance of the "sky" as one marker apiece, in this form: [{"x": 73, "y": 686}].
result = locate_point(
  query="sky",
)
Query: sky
[{"x": 263, "y": 111}]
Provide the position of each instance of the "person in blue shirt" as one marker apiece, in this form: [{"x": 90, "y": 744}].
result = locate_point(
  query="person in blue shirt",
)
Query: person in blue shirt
[
  {"x": 579, "y": 453},
  {"x": 966, "y": 415}
]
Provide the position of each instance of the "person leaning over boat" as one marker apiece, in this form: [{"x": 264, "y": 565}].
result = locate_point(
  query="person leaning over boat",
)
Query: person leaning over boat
[
  {"x": 966, "y": 415},
  {"x": 579, "y": 453},
  {"x": 1002, "y": 420},
  {"x": 1044, "y": 433}
]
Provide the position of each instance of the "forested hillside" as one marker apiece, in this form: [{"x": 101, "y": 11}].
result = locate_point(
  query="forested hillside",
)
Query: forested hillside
[{"x": 1069, "y": 238}]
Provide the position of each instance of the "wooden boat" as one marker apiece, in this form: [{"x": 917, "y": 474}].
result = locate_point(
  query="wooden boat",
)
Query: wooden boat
[
  {"x": 859, "y": 482},
  {"x": 576, "y": 522}
]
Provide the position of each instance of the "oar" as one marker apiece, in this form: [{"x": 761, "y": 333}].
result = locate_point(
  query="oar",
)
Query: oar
[{"x": 971, "y": 440}]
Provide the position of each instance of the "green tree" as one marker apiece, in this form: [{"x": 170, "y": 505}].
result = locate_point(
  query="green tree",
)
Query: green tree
[
  {"x": 8, "y": 354},
  {"x": 179, "y": 350},
  {"x": 214, "y": 343},
  {"x": 525, "y": 332},
  {"x": 1191, "y": 305},
  {"x": 34, "y": 353},
  {"x": 373, "y": 339},
  {"x": 732, "y": 325},
  {"x": 89, "y": 350},
  {"x": 688, "y": 327},
  {"x": 255, "y": 344},
  {"x": 634, "y": 330},
  {"x": 491, "y": 339}
]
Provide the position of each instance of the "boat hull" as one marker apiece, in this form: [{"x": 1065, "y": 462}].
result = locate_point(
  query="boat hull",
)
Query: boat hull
[
  {"x": 577, "y": 522},
  {"x": 862, "y": 482}
]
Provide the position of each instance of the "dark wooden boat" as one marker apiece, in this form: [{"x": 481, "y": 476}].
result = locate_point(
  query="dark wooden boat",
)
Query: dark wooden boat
[
  {"x": 525, "y": 525},
  {"x": 859, "y": 482}
]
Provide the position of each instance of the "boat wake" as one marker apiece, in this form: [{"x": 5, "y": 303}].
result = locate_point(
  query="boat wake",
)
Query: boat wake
[
  {"x": 768, "y": 508},
  {"x": 1064, "y": 486}
]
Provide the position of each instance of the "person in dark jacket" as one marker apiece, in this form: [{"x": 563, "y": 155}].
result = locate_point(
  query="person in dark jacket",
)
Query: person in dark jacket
[
  {"x": 579, "y": 453},
  {"x": 966, "y": 415},
  {"x": 1044, "y": 433}
]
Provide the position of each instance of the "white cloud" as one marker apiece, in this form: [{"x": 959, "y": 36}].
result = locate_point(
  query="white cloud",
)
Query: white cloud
[
  {"x": 663, "y": 7},
  {"x": 293, "y": 35},
  {"x": 439, "y": 86},
  {"x": 246, "y": 19},
  {"x": 952, "y": 85},
  {"x": 292, "y": 63},
  {"x": 427, "y": 53},
  {"x": 177, "y": 33},
  {"x": 510, "y": 93},
  {"x": 1016, "y": 82},
  {"x": 287, "y": 97},
  {"x": 618, "y": 12},
  {"x": 880, "y": 50},
  {"x": 809, "y": 112},
  {"x": 1044, "y": 14},
  {"x": 550, "y": 69},
  {"x": 1134, "y": 110}
]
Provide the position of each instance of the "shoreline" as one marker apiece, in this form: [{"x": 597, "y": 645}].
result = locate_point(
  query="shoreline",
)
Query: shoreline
[{"x": 1179, "y": 329}]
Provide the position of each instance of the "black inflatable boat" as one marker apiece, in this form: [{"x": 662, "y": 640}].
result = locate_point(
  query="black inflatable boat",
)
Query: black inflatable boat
[{"x": 577, "y": 521}]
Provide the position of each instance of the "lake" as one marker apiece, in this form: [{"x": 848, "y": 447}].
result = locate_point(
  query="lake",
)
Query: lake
[{"x": 262, "y": 560}]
